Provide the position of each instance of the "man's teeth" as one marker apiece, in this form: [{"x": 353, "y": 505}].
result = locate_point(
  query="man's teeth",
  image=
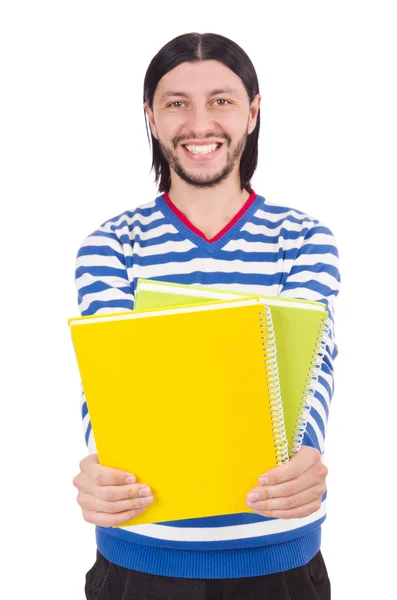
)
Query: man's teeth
[{"x": 202, "y": 149}]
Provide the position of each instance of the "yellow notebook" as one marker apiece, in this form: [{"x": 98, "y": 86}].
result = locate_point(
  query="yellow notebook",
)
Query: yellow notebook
[{"x": 187, "y": 399}]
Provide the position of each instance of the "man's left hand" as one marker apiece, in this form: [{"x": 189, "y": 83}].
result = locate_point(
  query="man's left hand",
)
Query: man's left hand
[{"x": 294, "y": 489}]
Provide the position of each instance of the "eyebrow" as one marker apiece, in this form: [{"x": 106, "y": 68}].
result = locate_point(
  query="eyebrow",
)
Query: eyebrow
[{"x": 224, "y": 90}]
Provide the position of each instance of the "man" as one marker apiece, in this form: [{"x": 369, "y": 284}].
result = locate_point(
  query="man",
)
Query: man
[{"x": 208, "y": 226}]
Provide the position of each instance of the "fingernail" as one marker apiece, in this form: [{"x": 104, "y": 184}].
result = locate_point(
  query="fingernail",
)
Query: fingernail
[
  {"x": 145, "y": 491},
  {"x": 146, "y": 501},
  {"x": 263, "y": 480},
  {"x": 252, "y": 497},
  {"x": 130, "y": 479}
]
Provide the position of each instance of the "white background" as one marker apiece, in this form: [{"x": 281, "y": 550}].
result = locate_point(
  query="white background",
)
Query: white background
[{"x": 74, "y": 153}]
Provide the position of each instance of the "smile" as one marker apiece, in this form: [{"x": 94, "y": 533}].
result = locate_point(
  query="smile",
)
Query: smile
[
  {"x": 202, "y": 149},
  {"x": 202, "y": 152}
]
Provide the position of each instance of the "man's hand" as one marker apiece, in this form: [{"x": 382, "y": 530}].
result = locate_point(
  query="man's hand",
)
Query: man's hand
[
  {"x": 109, "y": 497},
  {"x": 294, "y": 489}
]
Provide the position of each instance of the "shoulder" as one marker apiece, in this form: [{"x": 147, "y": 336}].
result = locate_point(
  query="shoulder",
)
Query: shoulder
[
  {"x": 288, "y": 218},
  {"x": 128, "y": 218},
  {"x": 119, "y": 229},
  {"x": 280, "y": 214}
]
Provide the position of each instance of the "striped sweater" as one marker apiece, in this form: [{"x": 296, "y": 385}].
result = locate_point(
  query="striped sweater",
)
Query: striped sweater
[{"x": 265, "y": 249}]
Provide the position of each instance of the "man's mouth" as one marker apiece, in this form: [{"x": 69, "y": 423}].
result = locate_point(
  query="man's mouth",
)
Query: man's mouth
[{"x": 201, "y": 149}]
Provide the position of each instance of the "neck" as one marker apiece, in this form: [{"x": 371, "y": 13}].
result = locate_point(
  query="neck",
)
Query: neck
[{"x": 208, "y": 209}]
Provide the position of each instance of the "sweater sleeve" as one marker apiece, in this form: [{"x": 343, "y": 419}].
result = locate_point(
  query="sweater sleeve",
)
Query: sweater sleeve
[
  {"x": 102, "y": 287},
  {"x": 314, "y": 275}
]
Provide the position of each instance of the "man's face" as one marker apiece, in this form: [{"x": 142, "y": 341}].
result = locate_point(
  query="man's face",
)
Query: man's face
[{"x": 205, "y": 107}]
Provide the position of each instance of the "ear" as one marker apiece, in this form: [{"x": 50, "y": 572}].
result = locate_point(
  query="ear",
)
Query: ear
[
  {"x": 150, "y": 117},
  {"x": 253, "y": 116}
]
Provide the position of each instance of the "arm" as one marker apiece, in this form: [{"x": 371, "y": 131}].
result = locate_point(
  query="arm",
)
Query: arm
[
  {"x": 314, "y": 275},
  {"x": 108, "y": 497},
  {"x": 296, "y": 489},
  {"x": 103, "y": 287}
]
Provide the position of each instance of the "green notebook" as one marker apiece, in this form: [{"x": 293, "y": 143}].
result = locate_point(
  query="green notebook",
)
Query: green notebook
[{"x": 301, "y": 330}]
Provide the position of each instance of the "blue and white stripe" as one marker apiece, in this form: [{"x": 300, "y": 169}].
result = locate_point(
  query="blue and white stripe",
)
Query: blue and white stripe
[{"x": 270, "y": 250}]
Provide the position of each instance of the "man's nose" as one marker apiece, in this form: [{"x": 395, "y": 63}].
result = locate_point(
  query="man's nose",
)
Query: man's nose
[{"x": 200, "y": 120}]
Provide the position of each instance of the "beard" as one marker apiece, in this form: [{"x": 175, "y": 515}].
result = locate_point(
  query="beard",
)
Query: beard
[{"x": 234, "y": 154}]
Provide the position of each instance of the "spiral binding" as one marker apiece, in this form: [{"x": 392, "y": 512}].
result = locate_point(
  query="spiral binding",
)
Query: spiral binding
[
  {"x": 272, "y": 376},
  {"x": 312, "y": 378}
]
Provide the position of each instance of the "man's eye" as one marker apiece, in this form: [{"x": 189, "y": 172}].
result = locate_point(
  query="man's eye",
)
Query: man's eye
[{"x": 180, "y": 103}]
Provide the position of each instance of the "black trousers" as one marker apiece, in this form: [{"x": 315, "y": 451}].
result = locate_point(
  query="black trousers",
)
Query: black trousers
[{"x": 107, "y": 581}]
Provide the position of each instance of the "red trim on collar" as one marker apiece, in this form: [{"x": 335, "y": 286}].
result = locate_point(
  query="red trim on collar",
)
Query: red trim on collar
[{"x": 190, "y": 225}]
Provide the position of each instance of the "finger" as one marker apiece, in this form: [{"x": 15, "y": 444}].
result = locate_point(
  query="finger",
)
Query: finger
[
  {"x": 305, "y": 497},
  {"x": 87, "y": 461},
  {"x": 115, "y": 493},
  {"x": 102, "y": 475},
  {"x": 314, "y": 475},
  {"x": 89, "y": 502},
  {"x": 294, "y": 513},
  {"x": 110, "y": 493},
  {"x": 305, "y": 458},
  {"x": 82, "y": 483},
  {"x": 110, "y": 520}
]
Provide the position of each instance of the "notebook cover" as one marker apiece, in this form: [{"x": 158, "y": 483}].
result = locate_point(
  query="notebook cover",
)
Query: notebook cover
[
  {"x": 300, "y": 335},
  {"x": 180, "y": 399}
]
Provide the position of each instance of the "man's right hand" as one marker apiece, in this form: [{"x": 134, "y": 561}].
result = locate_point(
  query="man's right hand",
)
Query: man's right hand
[{"x": 106, "y": 498}]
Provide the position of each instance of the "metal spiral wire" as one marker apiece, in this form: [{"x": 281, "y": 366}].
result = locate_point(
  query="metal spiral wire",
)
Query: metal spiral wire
[
  {"x": 312, "y": 378},
  {"x": 272, "y": 376}
]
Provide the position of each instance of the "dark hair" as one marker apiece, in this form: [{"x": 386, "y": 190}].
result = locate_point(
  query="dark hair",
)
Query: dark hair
[{"x": 196, "y": 47}]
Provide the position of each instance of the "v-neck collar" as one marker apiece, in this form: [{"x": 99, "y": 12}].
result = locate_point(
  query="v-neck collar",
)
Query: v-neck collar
[{"x": 182, "y": 223}]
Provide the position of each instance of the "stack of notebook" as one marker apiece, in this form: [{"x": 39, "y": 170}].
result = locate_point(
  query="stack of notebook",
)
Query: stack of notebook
[{"x": 198, "y": 391}]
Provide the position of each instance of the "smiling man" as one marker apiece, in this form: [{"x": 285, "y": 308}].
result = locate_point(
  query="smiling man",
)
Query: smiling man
[{"x": 208, "y": 226}]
